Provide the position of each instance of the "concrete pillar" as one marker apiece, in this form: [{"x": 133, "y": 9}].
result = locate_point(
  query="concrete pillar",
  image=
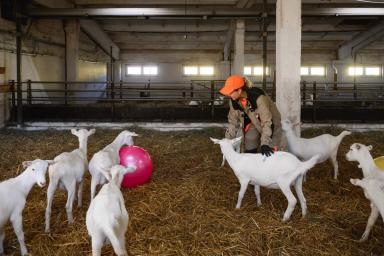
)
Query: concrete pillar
[
  {"x": 224, "y": 70},
  {"x": 117, "y": 65},
  {"x": 238, "y": 62},
  {"x": 72, "y": 30},
  {"x": 288, "y": 59}
]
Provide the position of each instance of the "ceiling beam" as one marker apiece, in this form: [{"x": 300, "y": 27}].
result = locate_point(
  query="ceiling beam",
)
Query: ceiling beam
[
  {"x": 196, "y": 12},
  {"x": 89, "y": 27},
  {"x": 362, "y": 40}
]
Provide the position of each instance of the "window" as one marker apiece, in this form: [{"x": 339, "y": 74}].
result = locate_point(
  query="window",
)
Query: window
[
  {"x": 134, "y": 70},
  {"x": 255, "y": 71},
  {"x": 196, "y": 70},
  {"x": 150, "y": 70},
  {"x": 206, "y": 71},
  {"x": 312, "y": 71},
  {"x": 248, "y": 71},
  {"x": 364, "y": 71},
  {"x": 190, "y": 70},
  {"x": 304, "y": 71}
]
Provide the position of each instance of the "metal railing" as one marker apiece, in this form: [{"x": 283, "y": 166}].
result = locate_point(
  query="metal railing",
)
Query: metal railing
[{"x": 315, "y": 95}]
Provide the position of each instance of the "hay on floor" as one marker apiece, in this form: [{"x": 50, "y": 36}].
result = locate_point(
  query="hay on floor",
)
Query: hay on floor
[{"x": 189, "y": 206}]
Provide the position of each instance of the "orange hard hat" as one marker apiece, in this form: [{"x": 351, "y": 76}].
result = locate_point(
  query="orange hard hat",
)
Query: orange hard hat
[{"x": 232, "y": 83}]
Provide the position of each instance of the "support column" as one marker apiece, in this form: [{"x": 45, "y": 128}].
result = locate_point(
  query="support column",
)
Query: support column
[
  {"x": 288, "y": 59},
  {"x": 72, "y": 30},
  {"x": 238, "y": 63}
]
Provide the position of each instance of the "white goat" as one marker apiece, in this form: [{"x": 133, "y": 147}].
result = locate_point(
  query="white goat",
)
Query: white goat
[
  {"x": 13, "y": 194},
  {"x": 325, "y": 145},
  {"x": 360, "y": 153},
  {"x": 107, "y": 217},
  {"x": 103, "y": 160},
  {"x": 279, "y": 171},
  {"x": 237, "y": 145},
  {"x": 373, "y": 190},
  {"x": 67, "y": 173}
]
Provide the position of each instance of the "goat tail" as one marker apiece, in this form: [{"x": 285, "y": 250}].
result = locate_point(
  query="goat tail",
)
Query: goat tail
[
  {"x": 305, "y": 166},
  {"x": 343, "y": 134}
]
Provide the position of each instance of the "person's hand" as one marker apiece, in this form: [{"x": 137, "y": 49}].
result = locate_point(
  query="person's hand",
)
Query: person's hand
[{"x": 266, "y": 150}]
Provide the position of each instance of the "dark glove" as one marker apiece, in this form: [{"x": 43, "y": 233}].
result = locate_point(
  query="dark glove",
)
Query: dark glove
[{"x": 266, "y": 150}]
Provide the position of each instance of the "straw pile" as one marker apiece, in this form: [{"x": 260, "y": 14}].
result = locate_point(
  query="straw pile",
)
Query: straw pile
[{"x": 189, "y": 207}]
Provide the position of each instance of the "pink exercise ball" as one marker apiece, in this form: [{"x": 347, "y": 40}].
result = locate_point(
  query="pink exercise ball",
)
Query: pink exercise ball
[{"x": 139, "y": 157}]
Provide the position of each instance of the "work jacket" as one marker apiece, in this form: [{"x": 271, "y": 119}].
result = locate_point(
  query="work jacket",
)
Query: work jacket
[{"x": 262, "y": 113}]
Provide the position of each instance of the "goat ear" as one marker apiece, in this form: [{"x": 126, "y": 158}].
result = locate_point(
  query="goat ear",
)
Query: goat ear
[
  {"x": 236, "y": 140},
  {"x": 356, "y": 182},
  {"x": 92, "y": 131},
  {"x": 370, "y": 147},
  {"x": 50, "y": 162},
  {"x": 216, "y": 141},
  {"x": 129, "y": 169},
  {"x": 133, "y": 134},
  {"x": 27, "y": 164}
]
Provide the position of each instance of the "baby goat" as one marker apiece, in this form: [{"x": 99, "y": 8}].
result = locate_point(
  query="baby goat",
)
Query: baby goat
[
  {"x": 107, "y": 217},
  {"x": 13, "y": 195},
  {"x": 103, "y": 160},
  {"x": 279, "y": 171},
  {"x": 67, "y": 173},
  {"x": 325, "y": 146},
  {"x": 373, "y": 191},
  {"x": 372, "y": 176}
]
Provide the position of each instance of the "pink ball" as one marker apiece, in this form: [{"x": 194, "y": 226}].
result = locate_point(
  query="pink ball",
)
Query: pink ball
[{"x": 133, "y": 155}]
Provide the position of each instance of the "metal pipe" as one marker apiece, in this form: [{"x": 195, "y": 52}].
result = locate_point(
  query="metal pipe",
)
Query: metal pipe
[
  {"x": 18, "y": 71},
  {"x": 265, "y": 37}
]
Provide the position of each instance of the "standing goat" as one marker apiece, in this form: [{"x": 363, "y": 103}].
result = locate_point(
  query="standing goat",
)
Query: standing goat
[
  {"x": 103, "y": 160},
  {"x": 66, "y": 173},
  {"x": 279, "y": 171},
  {"x": 13, "y": 195},
  {"x": 107, "y": 217},
  {"x": 373, "y": 191},
  {"x": 325, "y": 146},
  {"x": 372, "y": 177}
]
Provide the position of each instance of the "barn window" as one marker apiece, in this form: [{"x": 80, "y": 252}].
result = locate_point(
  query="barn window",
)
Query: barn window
[
  {"x": 258, "y": 71},
  {"x": 312, "y": 71},
  {"x": 134, "y": 70},
  {"x": 255, "y": 71},
  {"x": 248, "y": 71},
  {"x": 364, "y": 71},
  {"x": 191, "y": 70},
  {"x": 206, "y": 71},
  {"x": 150, "y": 70}
]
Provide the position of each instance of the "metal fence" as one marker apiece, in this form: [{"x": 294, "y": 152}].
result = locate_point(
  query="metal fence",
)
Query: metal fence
[{"x": 314, "y": 95}]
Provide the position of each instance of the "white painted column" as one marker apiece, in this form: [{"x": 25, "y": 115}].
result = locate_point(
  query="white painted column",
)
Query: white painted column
[
  {"x": 224, "y": 69},
  {"x": 288, "y": 59},
  {"x": 238, "y": 62},
  {"x": 72, "y": 29}
]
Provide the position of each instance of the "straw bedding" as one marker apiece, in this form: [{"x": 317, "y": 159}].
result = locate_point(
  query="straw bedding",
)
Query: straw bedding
[{"x": 189, "y": 206}]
